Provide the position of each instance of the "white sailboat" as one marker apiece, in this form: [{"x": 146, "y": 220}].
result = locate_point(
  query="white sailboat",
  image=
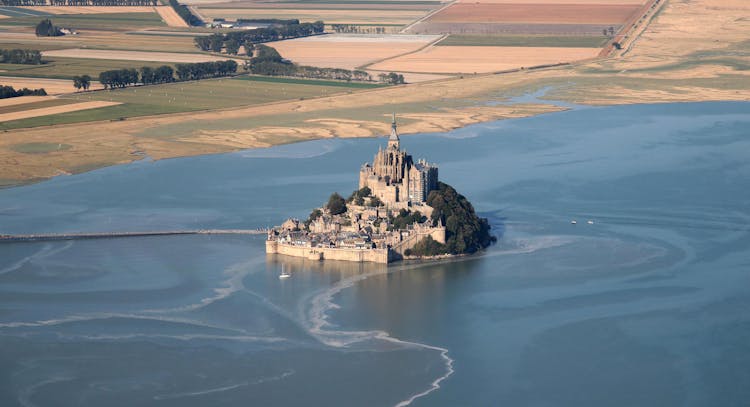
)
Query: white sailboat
[{"x": 284, "y": 273}]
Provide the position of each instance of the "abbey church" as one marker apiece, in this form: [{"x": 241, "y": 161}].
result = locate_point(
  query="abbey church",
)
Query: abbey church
[{"x": 395, "y": 178}]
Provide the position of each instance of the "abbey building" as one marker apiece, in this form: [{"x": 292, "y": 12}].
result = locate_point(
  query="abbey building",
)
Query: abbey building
[{"x": 395, "y": 178}]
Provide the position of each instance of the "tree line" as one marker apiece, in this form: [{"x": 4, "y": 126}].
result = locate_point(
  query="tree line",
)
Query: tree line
[
  {"x": 45, "y": 28},
  {"x": 23, "y": 2},
  {"x": 268, "y": 61},
  {"x": 232, "y": 41},
  {"x": 10, "y": 92},
  {"x": 103, "y": 3},
  {"x": 184, "y": 12},
  {"x": 20, "y": 56},
  {"x": 355, "y": 29},
  {"x": 120, "y": 78}
]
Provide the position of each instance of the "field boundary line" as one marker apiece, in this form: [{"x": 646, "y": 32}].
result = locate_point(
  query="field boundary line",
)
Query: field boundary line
[
  {"x": 433, "y": 42},
  {"x": 428, "y": 15}
]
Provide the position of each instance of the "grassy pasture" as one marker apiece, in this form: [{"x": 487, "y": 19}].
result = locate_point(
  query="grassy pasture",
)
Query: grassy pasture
[
  {"x": 109, "y": 21},
  {"x": 185, "y": 97},
  {"x": 66, "y": 68},
  {"x": 524, "y": 41},
  {"x": 318, "y": 82}
]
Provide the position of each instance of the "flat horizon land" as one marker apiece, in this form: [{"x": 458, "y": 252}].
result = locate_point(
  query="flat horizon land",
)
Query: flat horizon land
[{"x": 666, "y": 58}]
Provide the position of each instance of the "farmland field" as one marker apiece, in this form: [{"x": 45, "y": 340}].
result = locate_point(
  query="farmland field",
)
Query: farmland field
[
  {"x": 51, "y": 86},
  {"x": 99, "y": 39},
  {"x": 33, "y": 102},
  {"x": 105, "y": 21},
  {"x": 53, "y": 110},
  {"x": 65, "y": 68},
  {"x": 186, "y": 96},
  {"x": 524, "y": 41},
  {"x": 132, "y": 55},
  {"x": 329, "y": 16},
  {"x": 478, "y": 59},
  {"x": 91, "y": 10},
  {"x": 535, "y": 13},
  {"x": 349, "y": 51}
]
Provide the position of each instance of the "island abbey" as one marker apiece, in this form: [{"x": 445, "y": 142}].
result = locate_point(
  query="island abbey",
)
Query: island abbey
[
  {"x": 380, "y": 222},
  {"x": 395, "y": 178}
]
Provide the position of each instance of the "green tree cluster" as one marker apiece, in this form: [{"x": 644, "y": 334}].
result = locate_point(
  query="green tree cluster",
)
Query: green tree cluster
[
  {"x": 202, "y": 70},
  {"x": 118, "y": 78},
  {"x": 82, "y": 82},
  {"x": 405, "y": 218},
  {"x": 358, "y": 196},
  {"x": 281, "y": 30},
  {"x": 427, "y": 247},
  {"x": 268, "y": 61},
  {"x": 185, "y": 13},
  {"x": 336, "y": 204},
  {"x": 465, "y": 232},
  {"x": 45, "y": 28},
  {"x": 392, "y": 78},
  {"x": 10, "y": 92},
  {"x": 20, "y": 56},
  {"x": 315, "y": 214},
  {"x": 162, "y": 74}
]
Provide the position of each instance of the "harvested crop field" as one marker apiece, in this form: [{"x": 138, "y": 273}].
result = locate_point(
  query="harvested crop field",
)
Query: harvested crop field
[
  {"x": 91, "y": 10},
  {"x": 51, "y": 86},
  {"x": 349, "y": 51},
  {"x": 536, "y": 13},
  {"x": 170, "y": 17},
  {"x": 47, "y": 111},
  {"x": 423, "y": 28},
  {"x": 471, "y": 59},
  {"x": 131, "y": 55},
  {"x": 22, "y": 100},
  {"x": 569, "y": 41},
  {"x": 329, "y": 16}
]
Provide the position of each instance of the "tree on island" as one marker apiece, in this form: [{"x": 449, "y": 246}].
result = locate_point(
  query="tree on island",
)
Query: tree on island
[
  {"x": 336, "y": 204},
  {"x": 465, "y": 232}
]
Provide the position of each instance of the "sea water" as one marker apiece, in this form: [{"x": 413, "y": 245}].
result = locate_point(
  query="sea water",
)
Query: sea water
[{"x": 643, "y": 301}]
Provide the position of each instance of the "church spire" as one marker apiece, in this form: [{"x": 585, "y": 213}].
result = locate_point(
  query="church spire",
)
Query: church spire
[{"x": 393, "y": 140}]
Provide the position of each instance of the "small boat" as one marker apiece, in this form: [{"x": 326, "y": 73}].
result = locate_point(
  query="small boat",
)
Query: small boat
[
  {"x": 573, "y": 222},
  {"x": 590, "y": 222},
  {"x": 283, "y": 274}
]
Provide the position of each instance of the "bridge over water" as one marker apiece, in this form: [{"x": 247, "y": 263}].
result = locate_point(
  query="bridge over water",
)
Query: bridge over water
[{"x": 114, "y": 235}]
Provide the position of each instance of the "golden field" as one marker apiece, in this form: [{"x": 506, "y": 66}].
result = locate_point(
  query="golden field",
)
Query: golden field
[{"x": 478, "y": 59}]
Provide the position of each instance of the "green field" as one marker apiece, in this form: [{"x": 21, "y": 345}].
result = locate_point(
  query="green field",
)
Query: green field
[
  {"x": 67, "y": 68},
  {"x": 107, "y": 21},
  {"x": 183, "y": 97},
  {"x": 319, "y": 82},
  {"x": 524, "y": 41}
]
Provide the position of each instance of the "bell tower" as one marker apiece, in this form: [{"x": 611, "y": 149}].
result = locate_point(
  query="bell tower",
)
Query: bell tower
[{"x": 393, "y": 140}]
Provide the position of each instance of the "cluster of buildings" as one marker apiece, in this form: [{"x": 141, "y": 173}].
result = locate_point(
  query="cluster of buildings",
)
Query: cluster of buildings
[{"x": 397, "y": 185}]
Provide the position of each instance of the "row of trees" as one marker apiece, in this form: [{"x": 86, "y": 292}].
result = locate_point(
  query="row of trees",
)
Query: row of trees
[
  {"x": 185, "y": 13},
  {"x": 23, "y": 2},
  {"x": 20, "y": 56},
  {"x": 10, "y": 92},
  {"x": 120, "y": 78},
  {"x": 202, "y": 70},
  {"x": 103, "y": 2},
  {"x": 355, "y": 29},
  {"x": 45, "y": 28},
  {"x": 232, "y": 41},
  {"x": 268, "y": 61},
  {"x": 82, "y": 82}
]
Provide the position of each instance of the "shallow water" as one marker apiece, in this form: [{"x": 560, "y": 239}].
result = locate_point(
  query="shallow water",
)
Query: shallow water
[{"x": 646, "y": 306}]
